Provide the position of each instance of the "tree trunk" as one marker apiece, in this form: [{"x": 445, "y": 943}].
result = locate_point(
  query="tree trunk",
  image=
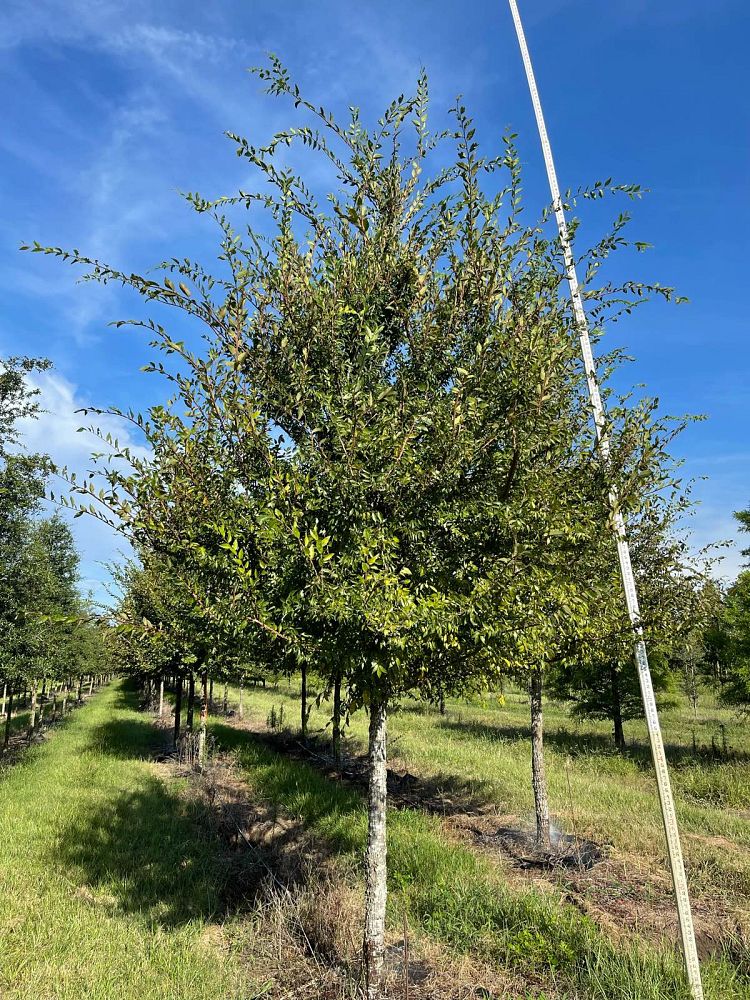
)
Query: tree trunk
[
  {"x": 191, "y": 701},
  {"x": 442, "y": 703},
  {"x": 91, "y": 684},
  {"x": 54, "y": 703},
  {"x": 80, "y": 690},
  {"x": 8, "y": 718},
  {"x": 617, "y": 710},
  {"x": 375, "y": 855},
  {"x": 65, "y": 700},
  {"x": 34, "y": 693},
  {"x": 538, "y": 776},
  {"x": 303, "y": 700},
  {"x": 5, "y": 694},
  {"x": 204, "y": 714},
  {"x": 211, "y": 696},
  {"x": 161, "y": 696},
  {"x": 241, "y": 710},
  {"x": 336, "y": 741},
  {"x": 225, "y": 703},
  {"x": 177, "y": 708}
]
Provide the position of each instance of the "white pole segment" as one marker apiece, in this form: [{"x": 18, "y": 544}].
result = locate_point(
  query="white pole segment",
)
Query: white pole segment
[{"x": 666, "y": 799}]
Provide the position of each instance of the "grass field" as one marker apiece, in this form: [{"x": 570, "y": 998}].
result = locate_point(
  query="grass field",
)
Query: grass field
[
  {"x": 107, "y": 884},
  {"x": 113, "y": 884},
  {"x": 610, "y": 797},
  {"x": 480, "y": 751}
]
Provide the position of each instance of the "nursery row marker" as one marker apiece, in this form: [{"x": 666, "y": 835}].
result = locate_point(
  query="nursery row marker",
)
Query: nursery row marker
[{"x": 666, "y": 799}]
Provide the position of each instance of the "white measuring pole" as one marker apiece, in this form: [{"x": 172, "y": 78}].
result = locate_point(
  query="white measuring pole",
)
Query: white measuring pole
[{"x": 666, "y": 799}]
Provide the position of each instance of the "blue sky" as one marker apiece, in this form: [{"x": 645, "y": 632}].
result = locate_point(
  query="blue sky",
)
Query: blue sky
[{"x": 113, "y": 106}]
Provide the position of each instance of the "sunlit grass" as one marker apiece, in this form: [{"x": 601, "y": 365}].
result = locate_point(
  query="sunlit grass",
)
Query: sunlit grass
[
  {"x": 602, "y": 794},
  {"x": 597, "y": 792}
]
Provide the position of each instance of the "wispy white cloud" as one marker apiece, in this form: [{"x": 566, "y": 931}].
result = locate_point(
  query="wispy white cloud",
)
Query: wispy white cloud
[{"x": 56, "y": 433}]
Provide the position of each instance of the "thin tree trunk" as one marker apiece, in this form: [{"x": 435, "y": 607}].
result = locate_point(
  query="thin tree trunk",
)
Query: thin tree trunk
[
  {"x": 79, "y": 699},
  {"x": 241, "y": 710},
  {"x": 5, "y": 693},
  {"x": 8, "y": 718},
  {"x": 34, "y": 696},
  {"x": 303, "y": 700},
  {"x": 54, "y": 703},
  {"x": 177, "y": 708},
  {"x": 191, "y": 700},
  {"x": 375, "y": 855},
  {"x": 617, "y": 710},
  {"x": 91, "y": 684},
  {"x": 204, "y": 714},
  {"x": 211, "y": 696},
  {"x": 66, "y": 692},
  {"x": 336, "y": 741},
  {"x": 441, "y": 704},
  {"x": 225, "y": 703},
  {"x": 538, "y": 776},
  {"x": 161, "y": 696}
]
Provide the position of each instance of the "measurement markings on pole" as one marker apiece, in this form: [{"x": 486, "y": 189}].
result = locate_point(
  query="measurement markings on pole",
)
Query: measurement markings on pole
[{"x": 666, "y": 799}]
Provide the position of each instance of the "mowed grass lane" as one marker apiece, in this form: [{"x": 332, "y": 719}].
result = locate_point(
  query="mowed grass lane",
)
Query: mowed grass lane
[{"x": 107, "y": 885}]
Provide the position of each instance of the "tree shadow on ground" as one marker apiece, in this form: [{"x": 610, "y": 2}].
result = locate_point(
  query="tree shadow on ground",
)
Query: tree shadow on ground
[
  {"x": 305, "y": 774},
  {"x": 296, "y": 780},
  {"x": 441, "y": 794},
  {"x": 576, "y": 744},
  {"x": 170, "y": 855},
  {"x": 130, "y": 738},
  {"x": 152, "y": 851}
]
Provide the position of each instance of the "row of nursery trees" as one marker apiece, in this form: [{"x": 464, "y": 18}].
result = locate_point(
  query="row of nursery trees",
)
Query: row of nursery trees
[
  {"x": 51, "y": 644},
  {"x": 379, "y": 463}
]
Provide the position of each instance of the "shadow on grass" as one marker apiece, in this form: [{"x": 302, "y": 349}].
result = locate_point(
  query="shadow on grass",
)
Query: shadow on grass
[
  {"x": 170, "y": 858},
  {"x": 301, "y": 790},
  {"x": 129, "y": 738},
  {"x": 302, "y": 778},
  {"x": 151, "y": 851},
  {"x": 148, "y": 852},
  {"x": 577, "y": 744}
]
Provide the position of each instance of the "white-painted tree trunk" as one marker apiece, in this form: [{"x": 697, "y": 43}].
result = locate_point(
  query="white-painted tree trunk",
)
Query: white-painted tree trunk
[
  {"x": 336, "y": 728},
  {"x": 303, "y": 701},
  {"x": 161, "y": 697},
  {"x": 538, "y": 775},
  {"x": 204, "y": 716},
  {"x": 8, "y": 717},
  {"x": 5, "y": 693},
  {"x": 375, "y": 855},
  {"x": 34, "y": 695}
]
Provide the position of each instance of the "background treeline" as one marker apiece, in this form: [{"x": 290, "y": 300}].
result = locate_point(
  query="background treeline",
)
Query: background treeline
[{"x": 50, "y": 639}]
